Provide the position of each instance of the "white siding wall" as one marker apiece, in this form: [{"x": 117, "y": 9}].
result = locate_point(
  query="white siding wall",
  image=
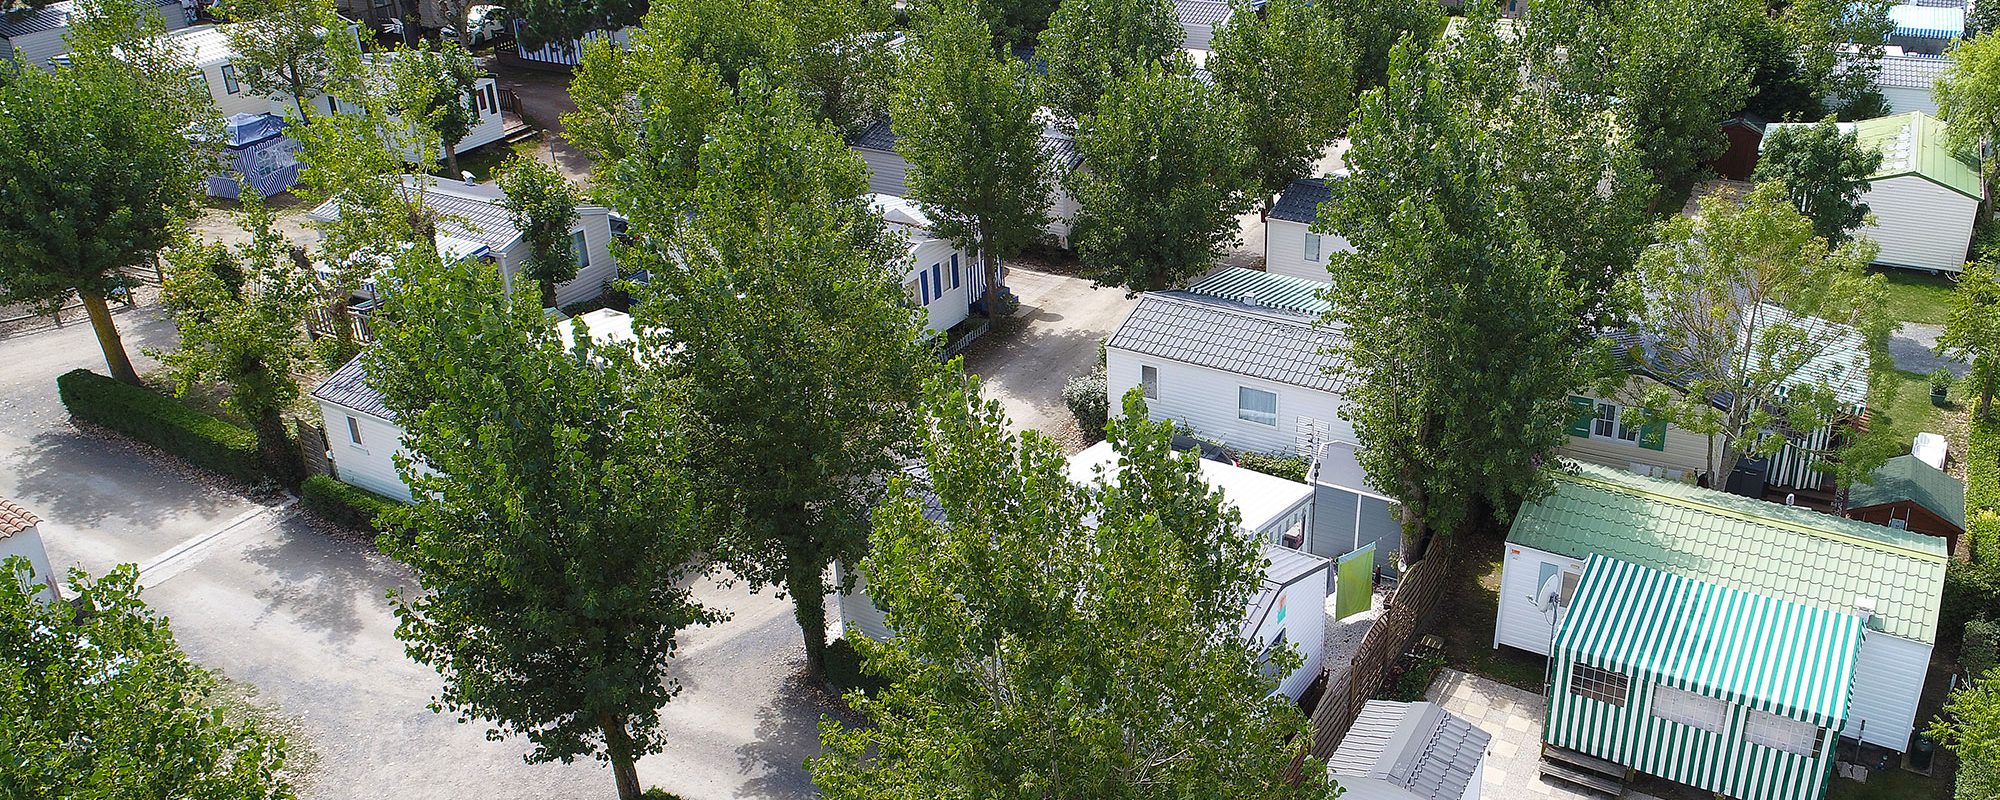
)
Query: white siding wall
[
  {"x": 1521, "y": 622},
  {"x": 28, "y": 544},
  {"x": 946, "y": 307},
  {"x": 491, "y": 125},
  {"x": 1204, "y": 400},
  {"x": 1903, "y": 100},
  {"x": 243, "y": 101},
  {"x": 589, "y": 281},
  {"x": 1304, "y": 627},
  {"x": 1888, "y": 679},
  {"x": 858, "y": 614},
  {"x": 371, "y": 464},
  {"x": 886, "y": 171},
  {"x": 1196, "y": 37},
  {"x": 1919, "y": 224},
  {"x": 1285, "y": 250}
]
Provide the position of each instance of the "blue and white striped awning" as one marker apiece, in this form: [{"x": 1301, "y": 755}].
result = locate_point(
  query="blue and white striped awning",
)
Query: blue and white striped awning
[
  {"x": 1772, "y": 655},
  {"x": 1927, "y": 22}
]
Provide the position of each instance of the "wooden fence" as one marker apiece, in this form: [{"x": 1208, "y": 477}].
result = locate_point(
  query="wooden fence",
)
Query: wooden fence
[
  {"x": 1350, "y": 686},
  {"x": 320, "y": 323},
  {"x": 312, "y": 449}
]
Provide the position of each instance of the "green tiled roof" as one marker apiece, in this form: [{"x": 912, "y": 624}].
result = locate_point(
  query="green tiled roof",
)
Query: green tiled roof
[
  {"x": 1906, "y": 478},
  {"x": 1914, "y": 144},
  {"x": 1783, "y": 552}
]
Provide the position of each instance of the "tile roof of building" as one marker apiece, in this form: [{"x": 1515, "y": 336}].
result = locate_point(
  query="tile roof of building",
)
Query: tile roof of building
[
  {"x": 14, "y": 518},
  {"x": 1264, "y": 289},
  {"x": 348, "y": 388},
  {"x": 1211, "y": 13},
  {"x": 1907, "y": 477},
  {"x": 1060, "y": 146},
  {"x": 1231, "y": 337},
  {"x": 1911, "y": 71},
  {"x": 1418, "y": 748},
  {"x": 1785, "y": 552},
  {"x": 1300, "y": 201}
]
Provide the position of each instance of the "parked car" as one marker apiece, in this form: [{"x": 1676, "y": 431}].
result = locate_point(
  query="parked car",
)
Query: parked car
[{"x": 486, "y": 23}]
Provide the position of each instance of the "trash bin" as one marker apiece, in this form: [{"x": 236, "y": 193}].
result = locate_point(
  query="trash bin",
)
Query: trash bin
[{"x": 1921, "y": 753}]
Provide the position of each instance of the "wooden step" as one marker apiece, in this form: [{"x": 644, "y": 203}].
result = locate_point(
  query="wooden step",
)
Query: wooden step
[
  {"x": 1578, "y": 777},
  {"x": 1584, "y": 761}
]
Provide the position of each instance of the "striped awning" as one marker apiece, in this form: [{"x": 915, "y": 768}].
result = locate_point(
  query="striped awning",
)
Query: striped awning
[{"x": 1771, "y": 655}]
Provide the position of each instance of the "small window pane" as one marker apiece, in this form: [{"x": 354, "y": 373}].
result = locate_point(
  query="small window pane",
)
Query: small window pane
[
  {"x": 229, "y": 78},
  {"x": 1257, "y": 405},
  {"x": 1312, "y": 246},
  {"x": 1149, "y": 382},
  {"x": 1690, "y": 709},
  {"x": 579, "y": 249},
  {"x": 1781, "y": 733},
  {"x": 1606, "y": 422},
  {"x": 1601, "y": 685},
  {"x": 354, "y": 430}
]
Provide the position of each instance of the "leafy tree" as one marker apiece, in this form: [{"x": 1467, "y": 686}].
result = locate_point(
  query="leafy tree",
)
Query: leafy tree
[
  {"x": 1063, "y": 640},
  {"x": 1970, "y": 727},
  {"x": 1018, "y": 23},
  {"x": 733, "y": 36},
  {"x": 1968, "y": 98},
  {"x": 1751, "y": 305},
  {"x": 1981, "y": 19},
  {"x": 1451, "y": 295},
  {"x": 1290, "y": 69},
  {"x": 553, "y": 537},
  {"x": 1374, "y": 26},
  {"x": 1812, "y": 57},
  {"x": 542, "y": 204},
  {"x": 100, "y": 702},
  {"x": 1674, "y": 67},
  {"x": 96, "y": 175},
  {"x": 1826, "y": 172},
  {"x": 965, "y": 120},
  {"x": 643, "y": 111},
  {"x": 842, "y": 63},
  {"x": 1167, "y": 176},
  {"x": 281, "y": 47},
  {"x": 431, "y": 89},
  {"x": 797, "y": 349},
  {"x": 240, "y": 312},
  {"x": 1091, "y": 44},
  {"x": 561, "y": 22},
  {"x": 1972, "y": 329}
]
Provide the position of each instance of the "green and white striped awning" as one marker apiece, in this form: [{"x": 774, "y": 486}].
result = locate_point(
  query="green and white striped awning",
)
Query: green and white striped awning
[{"x": 1772, "y": 655}]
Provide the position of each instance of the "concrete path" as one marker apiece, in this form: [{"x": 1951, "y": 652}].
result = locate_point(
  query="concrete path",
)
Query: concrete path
[
  {"x": 1514, "y": 718},
  {"x": 1053, "y": 338},
  {"x": 301, "y": 615},
  {"x": 544, "y": 100},
  {"x": 1914, "y": 347}
]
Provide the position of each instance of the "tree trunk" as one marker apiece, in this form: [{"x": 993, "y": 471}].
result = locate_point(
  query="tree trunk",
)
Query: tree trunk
[
  {"x": 618, "y": 747},
  {"x": 808, "y": 589},
  {"x": 989, "y": 265},
  {"x": 451, "y": 159},
  {"x": 280, "y": 453},
  {"x": 108, "y": 339},
  {"x": 548, "y": 293}
]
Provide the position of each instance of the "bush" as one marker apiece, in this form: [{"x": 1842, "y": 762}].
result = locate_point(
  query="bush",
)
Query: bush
[
  {"x": 1086, "y": 398},
  {"x": 162, "y": 422},
  {"x": 1981, "y": 650},
  {"x": 345, "y": 504},
  {"x": 847, "y": 669},
  {"x": 1291, "y": 468},
  {"x": 1982, "y": 490},
  {"x": 1971, "y": 591}
]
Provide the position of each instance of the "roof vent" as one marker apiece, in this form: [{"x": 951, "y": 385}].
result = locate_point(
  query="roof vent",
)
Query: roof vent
[
  {"x": 1864, "y": 607},
  {"x": 469, "y": 180},
  {"x": 1250, "y": 299}
]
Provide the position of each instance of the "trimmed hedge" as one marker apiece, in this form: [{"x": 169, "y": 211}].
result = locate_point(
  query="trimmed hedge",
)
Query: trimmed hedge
[
  {"x": 1982, "y": 491},
  {"x": 345, "y": 504},
  {"x": 1291, "y": 468},
  {"x": 162, "y": 422}
]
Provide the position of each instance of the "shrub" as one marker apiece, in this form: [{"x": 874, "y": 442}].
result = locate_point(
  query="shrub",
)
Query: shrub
[
  {"x": 1981, "y": 650},
  {"x": 1982, "y": 490},
  {"x": 162, "y": 422},
  {"x": 847, "y": 669},
  {"x": 345, "y": 504},
  {"x": 1291, "y": 468},
  {"x": 1086, "y": 398},
  {"x": 1971, "y": 591}
]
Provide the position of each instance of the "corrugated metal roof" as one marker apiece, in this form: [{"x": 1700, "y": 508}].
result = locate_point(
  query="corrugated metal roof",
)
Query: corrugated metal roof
[
  {"x": 1911, "y": 71},
  {"x": 1300, "y": 201},
  {"x": 475, "y": 213},
  {"x": 1785, "y": 552},
  {"x": 1842, "y": 366},
  {"x": 203, "y": 45},
  {"x": 1231, "y": 337},
  {"x": 23, "y": 20},
  {"x": 1927, "y": 22},
  {"x": 1418, "y": 748},
  {"x": 348, "y": 388},
  {"x": 1749, "y": 649},
  {"x": 1907, "y": 477},
  {"x": 14, "y": 518},
  {"x": 1201, "y": 12},
  {"x": 1268, "y": 290}
]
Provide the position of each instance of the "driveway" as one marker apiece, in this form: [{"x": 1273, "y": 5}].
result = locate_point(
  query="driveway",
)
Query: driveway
[
  {"x": 1914, "y": 348},
  {"x": 301, "y": 616},
  {"x": 1026, "y": 359},
  {"x": 545, "y": 99}
]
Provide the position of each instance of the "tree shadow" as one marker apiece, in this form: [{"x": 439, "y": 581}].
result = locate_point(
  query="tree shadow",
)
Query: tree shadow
[
  {"x": 84, "y": 481},
  {"x": 787, "y": 734},
  {"x": 326, "y": 582}
]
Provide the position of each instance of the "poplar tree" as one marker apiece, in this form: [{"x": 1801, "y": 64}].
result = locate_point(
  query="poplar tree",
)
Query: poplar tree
[
  {"x": 1090, "y": 44},
  {"x": 281, "y": 47},
  {"x": 1291, "y": 70},
  {"x": 542, "y": 205}
]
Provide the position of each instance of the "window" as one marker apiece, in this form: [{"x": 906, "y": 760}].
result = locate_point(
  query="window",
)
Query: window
[
  {"x": 1275, "y": 646},
  {"x": 954, "y": 271},
  {"x": 1149, "y": 382},
  {"x": 579, "y": 248},
  {"x": 229, "y": 83},
  {"x": 1312, "y": 246},
  {"x": 1569, "y": 582},
  {"x": 1608, "y": 423},
  {"x": 1601, "y": 685},
  {"x": 1690, "y": 709},
  {"x": 1257, "y": 405},
  {"x": 1782, "y": 733},
  {"x": 924, "y": 287},
  {"x": 354, "y": 430},
  {"x": 492, "y": 94},
  {"x": 911, "y": 290}
]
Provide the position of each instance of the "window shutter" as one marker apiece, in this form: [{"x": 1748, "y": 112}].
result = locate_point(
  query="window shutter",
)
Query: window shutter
[
  {"x": 1653, "y": 436},
  {"x": 1582, "y": 412},
  {"x": 954, "y": 271},
  {"x": 924, "y": 285}
]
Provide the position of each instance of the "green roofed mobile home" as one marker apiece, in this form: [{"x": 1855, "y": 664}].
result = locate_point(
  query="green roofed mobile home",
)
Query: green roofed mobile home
[{"x": 1924, "y": 196}]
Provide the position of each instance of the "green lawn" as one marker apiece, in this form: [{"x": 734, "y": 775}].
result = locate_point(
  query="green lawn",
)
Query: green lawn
[
  {"x": 1917, "y": 297},
  {"x": 1910, "y": 412},
  {"x": 1467, "y": 629},
  {"x": 482, "y": 163},
  {"x": 1894, "y": 784}
]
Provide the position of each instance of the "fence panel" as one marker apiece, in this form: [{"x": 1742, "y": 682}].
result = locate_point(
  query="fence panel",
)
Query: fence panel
[{"x": 1349, "y": 686}]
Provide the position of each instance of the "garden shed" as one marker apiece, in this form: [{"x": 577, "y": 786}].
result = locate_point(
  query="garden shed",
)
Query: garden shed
[
  {"x": 1909, "y": 494},
  {"x": 1730, "y": 691},
  {"x": 1924, "y": 197},
  {"x": 1410, "y": 751}
]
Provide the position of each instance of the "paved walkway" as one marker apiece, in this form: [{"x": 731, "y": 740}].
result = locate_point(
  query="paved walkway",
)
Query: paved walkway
[
  {"x": 1052, "y": 338},
  {"x": 1514, "y": 718},
  {"x": 1914, "y": 347}
]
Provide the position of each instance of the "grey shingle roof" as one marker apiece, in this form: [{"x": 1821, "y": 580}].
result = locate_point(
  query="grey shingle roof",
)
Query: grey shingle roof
[
  {"x": 1231, "y": 337},
  {"x": 472, "y": 213},
  {"x": 1417, "y": 747},
  {"x": 23, "y": 21},
  {"x": 1300, "y": 202},
  {"x": 880, "y": 137},
  {"x": 1843, "y": 365},
  {"x": 1201, "y": 12},
  {"x": 1907, "y": 478},
  {"x": 348, "y": 388},
  {"x": 1911, "y": 71}
]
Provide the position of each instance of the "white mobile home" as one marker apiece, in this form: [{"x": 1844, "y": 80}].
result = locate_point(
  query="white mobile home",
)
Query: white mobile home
[
  {"x": 1200, "y": 19},
  {"x": 207, "y": 49},
  {"x": 491, "y": 127},
  {"x": 1924, "y": 197},
  {"x": 475, "y": 224},
  {"x": 362, "y": 435},
  {"x": 1237, "y": 358},
  {"x": 1891, "y": 580},
  {"x": 1290, "y": 245},
  {"x": 888, "y": 173},
  {"x": 941, "y": 279},
  {"x": 21, "y": 537},
  {"x": 34, "y": 37}
]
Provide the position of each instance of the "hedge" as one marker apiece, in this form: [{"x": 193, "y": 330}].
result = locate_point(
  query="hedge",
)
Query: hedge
[
  {"x": 1982, "y": 491},
  {"x": 162, "y": 422},
  {"x": 1291, "y": 468},
  {"x": 345, "y": 504}
]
